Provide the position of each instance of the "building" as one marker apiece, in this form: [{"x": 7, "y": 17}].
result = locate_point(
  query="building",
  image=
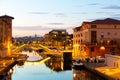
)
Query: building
[
  {"x": 59, "y": 38},
  {"x": 5, "y": 35},
  {"x": 112, "y": 60},
  {"x": 96, "y": 38}
]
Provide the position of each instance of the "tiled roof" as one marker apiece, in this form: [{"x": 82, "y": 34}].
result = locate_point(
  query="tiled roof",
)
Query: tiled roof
[{"x": 104, "y": 21}]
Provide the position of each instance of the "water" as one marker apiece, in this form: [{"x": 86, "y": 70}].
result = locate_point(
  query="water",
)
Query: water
[
  {"x": 48, "y": 70},
  {"x": 86, "y": 75},
  {"x": 51, "y": 69},
  {"x": 39, "y": 71}
]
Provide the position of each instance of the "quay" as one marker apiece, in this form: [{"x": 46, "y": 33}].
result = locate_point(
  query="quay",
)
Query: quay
[
  {"x": 7, "y": 63},
  {"x": 108, "y": 73}
]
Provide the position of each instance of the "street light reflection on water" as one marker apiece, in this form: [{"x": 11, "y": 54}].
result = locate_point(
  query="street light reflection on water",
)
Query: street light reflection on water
[{"x": 47, "y": 69}]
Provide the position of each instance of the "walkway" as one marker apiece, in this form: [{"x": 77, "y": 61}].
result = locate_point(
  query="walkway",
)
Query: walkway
[{"x": 103, "y": 70}]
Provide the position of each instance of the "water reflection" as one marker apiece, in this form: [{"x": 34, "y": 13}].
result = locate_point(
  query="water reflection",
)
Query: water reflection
[
  {"x": 45, "y": 70},
  {"x": 51, "y": 68},
  {"x": 85, "y": 75},
  {"x": 57, "y": 64},
  {"x": 7, "y": 75}
]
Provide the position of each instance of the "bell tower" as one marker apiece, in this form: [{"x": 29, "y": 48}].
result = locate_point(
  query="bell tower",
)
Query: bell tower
[{"x": 5, "y": 35}]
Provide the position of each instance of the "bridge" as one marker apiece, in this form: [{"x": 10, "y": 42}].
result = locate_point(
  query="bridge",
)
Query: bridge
[{"x": 35, "y": 47}]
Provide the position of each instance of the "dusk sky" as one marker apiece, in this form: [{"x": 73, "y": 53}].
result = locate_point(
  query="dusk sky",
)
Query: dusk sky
[{"x": 41, "y": 16}]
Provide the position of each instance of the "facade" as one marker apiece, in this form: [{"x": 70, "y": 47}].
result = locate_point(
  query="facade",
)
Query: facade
[
  {"x": 5, "y": 35},
  {"x": 96, "y": 38},
  {"x": 58, "y": 38},
  {"x": 112, "y": 60}
]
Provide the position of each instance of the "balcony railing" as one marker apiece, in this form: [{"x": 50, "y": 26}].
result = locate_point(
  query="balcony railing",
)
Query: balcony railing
[{"x": 100, "y": 43}]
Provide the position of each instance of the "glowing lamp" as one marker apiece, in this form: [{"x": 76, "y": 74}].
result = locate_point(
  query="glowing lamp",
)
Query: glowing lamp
[{"x": 102, "y": 48}]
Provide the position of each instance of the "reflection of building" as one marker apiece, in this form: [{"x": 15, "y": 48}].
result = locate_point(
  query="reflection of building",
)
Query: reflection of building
[
  {"x": 5, "y": 35},
  {"x": 57, "y": 64},
  {"x": 67, "y": 60},
  {"x": 54, "y": 63},
  {"x": 97, "y": 38},
  {"x": 6, "y": 75},
  {"x": 80, "y": 75},
  {"x": 86, "y": 75}
]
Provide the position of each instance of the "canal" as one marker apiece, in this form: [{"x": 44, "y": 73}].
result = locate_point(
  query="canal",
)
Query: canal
[{"x": 49, "y": 69}]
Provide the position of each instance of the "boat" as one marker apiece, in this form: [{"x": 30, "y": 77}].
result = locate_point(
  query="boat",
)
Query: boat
[{"x": 78, "y": 66}]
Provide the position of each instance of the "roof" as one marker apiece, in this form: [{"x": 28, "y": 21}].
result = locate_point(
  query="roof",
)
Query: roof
[
  {"x": 104, "y": 21},
  {"x": 6, "y": 16},
  {"x": 77, "y": 28}
]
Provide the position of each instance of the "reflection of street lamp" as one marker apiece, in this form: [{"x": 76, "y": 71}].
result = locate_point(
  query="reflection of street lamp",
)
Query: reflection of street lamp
[{"x": 74, "y": 75}]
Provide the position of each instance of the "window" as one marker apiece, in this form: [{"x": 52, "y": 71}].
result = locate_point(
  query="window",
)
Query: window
[
  {"x": 81, "y": 34},
  {"x": 102, "y": 36},
  {"x": 93, "y": 26},
  {"x": 108, "y": 33},
  {"x": 81, "y": 40},
  {"x": 115, "y": 33}
]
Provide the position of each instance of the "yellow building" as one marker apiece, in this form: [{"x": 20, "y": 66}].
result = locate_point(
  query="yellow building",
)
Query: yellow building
[
  {"x": 96, "y": 38},
  {"x": 5, "y": 35}
]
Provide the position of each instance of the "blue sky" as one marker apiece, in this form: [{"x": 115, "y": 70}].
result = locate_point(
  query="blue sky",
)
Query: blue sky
[{"x": 41, "y": 16}]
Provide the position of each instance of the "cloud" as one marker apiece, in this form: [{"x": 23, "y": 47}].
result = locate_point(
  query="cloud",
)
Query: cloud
[
  {"x": 78, "y": 6},
  {"x": 116, "y": 15},
  {"x": 80, "y": 13},
  {"x": 56, "y": 23},
  {"x": 38, "y": 12},
  {"x": 60, "y": 14},
  {"x": 105, "y": 12},
  {"x": 94, "y": 4},
  {"x": 111, "y": 7},
  {"x": 31, "y": 28},
  {"x": 118, "y": 18}
]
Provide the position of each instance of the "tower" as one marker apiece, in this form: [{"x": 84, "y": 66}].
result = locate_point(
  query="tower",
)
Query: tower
[{"x": 5, "y": 35}]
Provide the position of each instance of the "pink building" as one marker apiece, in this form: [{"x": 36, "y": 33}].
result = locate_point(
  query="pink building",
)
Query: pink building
[{"x": 96, "y": 38}]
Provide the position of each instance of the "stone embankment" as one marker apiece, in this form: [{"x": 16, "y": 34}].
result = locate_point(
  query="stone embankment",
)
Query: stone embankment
[
  {"x": 102, "y": 70},
  {"x": 7, "y": 63}
]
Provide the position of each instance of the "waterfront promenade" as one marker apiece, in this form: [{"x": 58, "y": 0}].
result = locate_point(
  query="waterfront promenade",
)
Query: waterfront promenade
[
  {"x": 103, "y": 70},
  {"x": 9, "y": 62},
  {"x": 5, "y": 64}
]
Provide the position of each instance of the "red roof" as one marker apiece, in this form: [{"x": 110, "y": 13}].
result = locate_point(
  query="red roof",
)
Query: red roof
[{"x": 104, "y": 21}]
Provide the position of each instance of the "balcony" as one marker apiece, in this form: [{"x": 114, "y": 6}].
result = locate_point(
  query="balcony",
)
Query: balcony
[{"x": 102, "y": 43}]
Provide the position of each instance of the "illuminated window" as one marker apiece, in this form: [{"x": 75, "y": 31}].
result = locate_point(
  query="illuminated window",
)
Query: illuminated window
[{"x": 63, "y": 32}]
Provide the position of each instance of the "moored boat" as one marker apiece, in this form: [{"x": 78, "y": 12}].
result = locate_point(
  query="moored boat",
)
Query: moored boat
[{"x": 78, "y": 66}]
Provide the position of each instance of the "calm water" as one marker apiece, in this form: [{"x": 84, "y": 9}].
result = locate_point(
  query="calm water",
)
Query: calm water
[
  {"x": 51, "y": 69},
  {"x": 39, "y": 71},
  {"x": 48, "y": 70}
]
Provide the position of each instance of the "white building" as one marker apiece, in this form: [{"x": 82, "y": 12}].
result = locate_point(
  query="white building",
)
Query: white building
[{"x": 112, "y": 60}]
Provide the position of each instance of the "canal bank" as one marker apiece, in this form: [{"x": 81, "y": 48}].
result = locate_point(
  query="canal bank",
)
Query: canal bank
[
  {"x": 100, "y": 69},
  {"x": 7, "y": 63}
]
